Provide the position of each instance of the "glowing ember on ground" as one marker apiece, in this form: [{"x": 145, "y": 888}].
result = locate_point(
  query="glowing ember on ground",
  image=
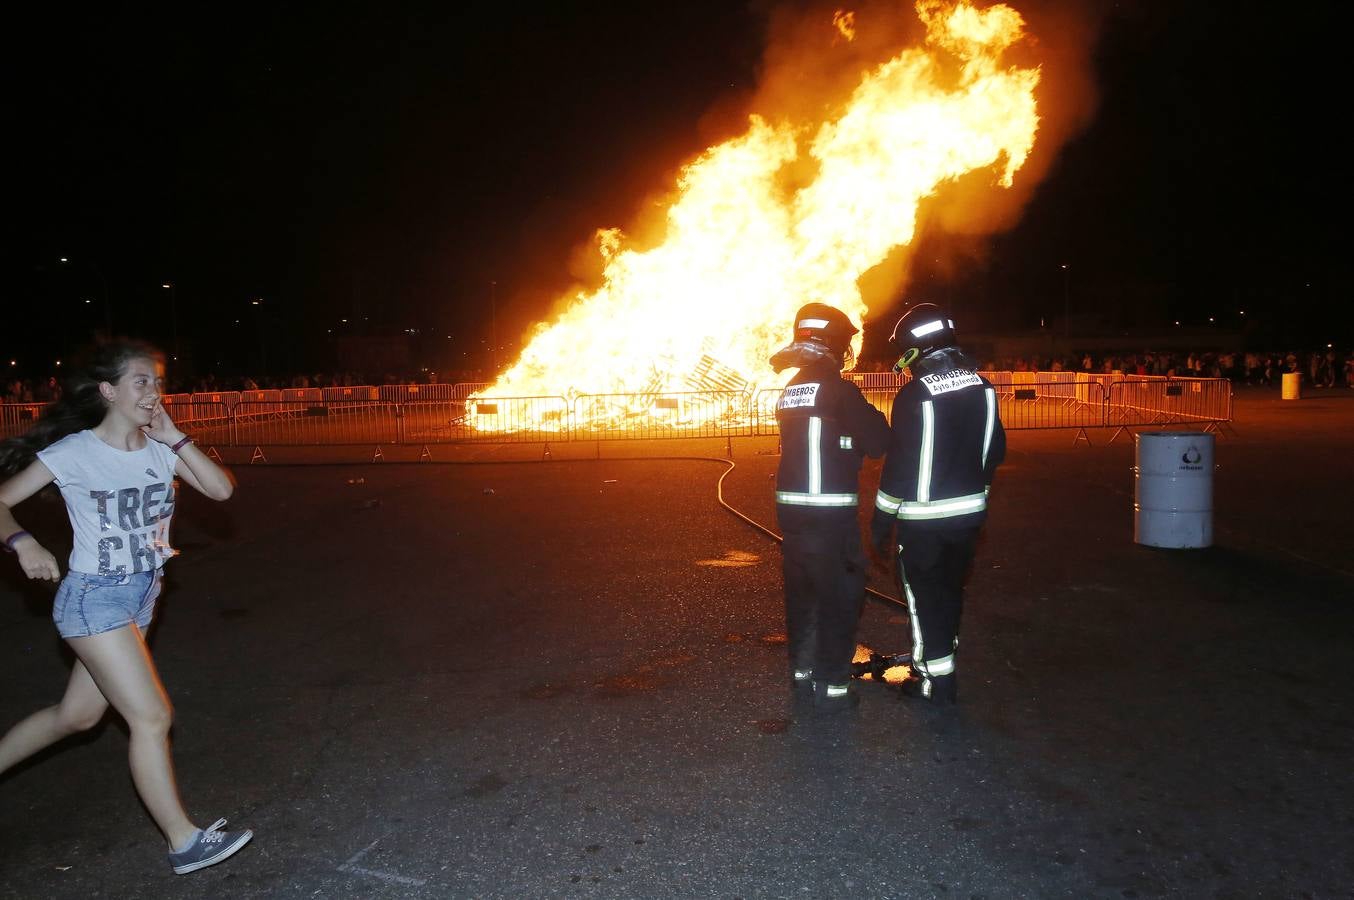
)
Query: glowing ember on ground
[
  {"x": 891, "y": 674},
  {"x": 785, "y": 214}
]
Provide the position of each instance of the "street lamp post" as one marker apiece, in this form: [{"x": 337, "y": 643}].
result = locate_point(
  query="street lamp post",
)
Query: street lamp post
[
  {"x": 261, "y": 325},
  {"x": 173, "y": 315},
  {"x": 1067, "y": 304},
  {"x": 107, "y": 303}
]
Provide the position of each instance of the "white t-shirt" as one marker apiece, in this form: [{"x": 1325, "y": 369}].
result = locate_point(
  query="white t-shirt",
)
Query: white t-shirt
[{"x": 120, "y": 502}]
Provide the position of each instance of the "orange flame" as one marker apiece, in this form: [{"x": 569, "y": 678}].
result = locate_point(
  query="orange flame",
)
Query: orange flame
[
  {"x": 845, "y": 23},
  {"x": 744, "y": 248}
]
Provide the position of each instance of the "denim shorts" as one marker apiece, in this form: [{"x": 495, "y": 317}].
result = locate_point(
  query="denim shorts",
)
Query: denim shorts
[{"x": 92, "y": 604}]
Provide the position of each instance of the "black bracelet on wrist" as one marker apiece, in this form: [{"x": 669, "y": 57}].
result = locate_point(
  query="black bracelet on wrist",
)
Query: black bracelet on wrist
[{"x": 184, "y": 442}]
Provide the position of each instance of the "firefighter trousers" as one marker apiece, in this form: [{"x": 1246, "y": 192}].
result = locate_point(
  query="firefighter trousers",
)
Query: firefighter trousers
[
  {"x": 824, "y": 571},
  {"x": 932, "y": 565}
]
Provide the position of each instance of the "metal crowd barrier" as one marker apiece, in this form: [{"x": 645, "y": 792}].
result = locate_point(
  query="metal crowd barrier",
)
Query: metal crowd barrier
[
  {"x": 462, "y": 390},
  {"x": 1072, "y": 400},
  {"x": 1037, "y": 400},
  {"x": 313, "y": 397},
  {"x": 514, "y": 420},
  {"x": 180, "y": 407},
  {"x": 1142, "y": 402},
  {"x": 408, "y": 393},
  {"x": 878, "y": 380},
  {"x": 441, "y": 413},
  {"x": 16, "y": 418},
  {"x": 661, "y": 415},
  {"x": 310, "y": 423},
  {"x": 213, "y": 408},
  {"x": 259, "y": 403},
  {"x": 764, "y": 411}
]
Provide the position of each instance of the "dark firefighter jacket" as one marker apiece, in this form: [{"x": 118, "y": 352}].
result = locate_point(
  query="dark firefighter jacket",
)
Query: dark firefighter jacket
[
  {"x": 826, "y": 429},
  {"x": 946, "y": 444}
]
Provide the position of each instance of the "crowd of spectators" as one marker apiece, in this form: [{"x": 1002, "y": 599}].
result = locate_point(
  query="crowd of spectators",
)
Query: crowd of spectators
[
  {"x": 26, "y": 390},
  {"x": 211, "y": 382},
  {"x": 1318, "y": 368}
]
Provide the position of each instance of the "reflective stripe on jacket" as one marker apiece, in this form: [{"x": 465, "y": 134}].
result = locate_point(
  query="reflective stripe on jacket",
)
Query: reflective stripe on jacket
[
  {"x": 827, "y": 427},
  {"x": 946, "y": 443}
]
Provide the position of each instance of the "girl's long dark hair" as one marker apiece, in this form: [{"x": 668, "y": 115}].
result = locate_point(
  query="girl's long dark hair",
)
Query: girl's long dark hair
[{"x": 81, "y": 405}]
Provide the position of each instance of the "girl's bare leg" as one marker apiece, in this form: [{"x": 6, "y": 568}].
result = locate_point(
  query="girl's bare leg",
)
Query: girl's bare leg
[
  {"x": 80, "y": 709},
  {"x": 120, "y": 665}
]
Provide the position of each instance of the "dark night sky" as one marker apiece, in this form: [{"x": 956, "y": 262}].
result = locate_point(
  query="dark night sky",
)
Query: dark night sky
[{"x": 386, "y": 163}]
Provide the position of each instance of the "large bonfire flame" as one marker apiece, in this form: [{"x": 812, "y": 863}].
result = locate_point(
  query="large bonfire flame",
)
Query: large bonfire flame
[{"x": 705, "y": 309}]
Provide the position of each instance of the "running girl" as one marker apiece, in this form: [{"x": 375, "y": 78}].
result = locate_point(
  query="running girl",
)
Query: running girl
[{"x": 114, "y": 452}]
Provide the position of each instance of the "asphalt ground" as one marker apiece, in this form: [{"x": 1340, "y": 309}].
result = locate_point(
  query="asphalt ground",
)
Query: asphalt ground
[{"x": 565, "y": 677}]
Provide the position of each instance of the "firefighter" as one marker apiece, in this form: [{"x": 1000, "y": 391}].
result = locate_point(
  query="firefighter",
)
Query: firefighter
[
  {"x": 827, "y": 428},
  {"x": 947, "y": 441}
]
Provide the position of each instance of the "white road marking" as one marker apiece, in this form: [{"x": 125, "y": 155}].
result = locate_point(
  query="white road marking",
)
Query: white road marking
[{"x": 352, "y": 866}]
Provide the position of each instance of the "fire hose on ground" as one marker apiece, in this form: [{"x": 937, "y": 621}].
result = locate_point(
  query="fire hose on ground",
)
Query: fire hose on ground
[{"x": 878, "y": 663}]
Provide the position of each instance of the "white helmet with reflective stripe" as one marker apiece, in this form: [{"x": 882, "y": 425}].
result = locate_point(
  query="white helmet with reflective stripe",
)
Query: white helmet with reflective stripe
[{"x": 922, "y": 329}]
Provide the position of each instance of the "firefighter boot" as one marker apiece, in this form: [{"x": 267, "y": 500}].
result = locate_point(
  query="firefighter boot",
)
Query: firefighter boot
[
  {"x": 942, "y": 690},
  {"x": 834, "y": 698}
]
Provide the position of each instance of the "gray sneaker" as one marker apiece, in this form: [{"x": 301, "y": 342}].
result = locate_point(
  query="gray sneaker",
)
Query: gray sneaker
[{"x": 208, "y": 848}]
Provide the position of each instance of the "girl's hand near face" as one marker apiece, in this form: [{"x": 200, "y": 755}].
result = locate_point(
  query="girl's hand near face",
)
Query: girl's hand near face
[
  {"x": 162, "y": 427},
  {"x": 193, "y": 466}
]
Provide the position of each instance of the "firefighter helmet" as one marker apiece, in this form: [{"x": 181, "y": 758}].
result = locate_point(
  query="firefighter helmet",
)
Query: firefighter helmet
[
  {"x": 822, "y": 324},
  {"x": 923, "y": 329}
]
